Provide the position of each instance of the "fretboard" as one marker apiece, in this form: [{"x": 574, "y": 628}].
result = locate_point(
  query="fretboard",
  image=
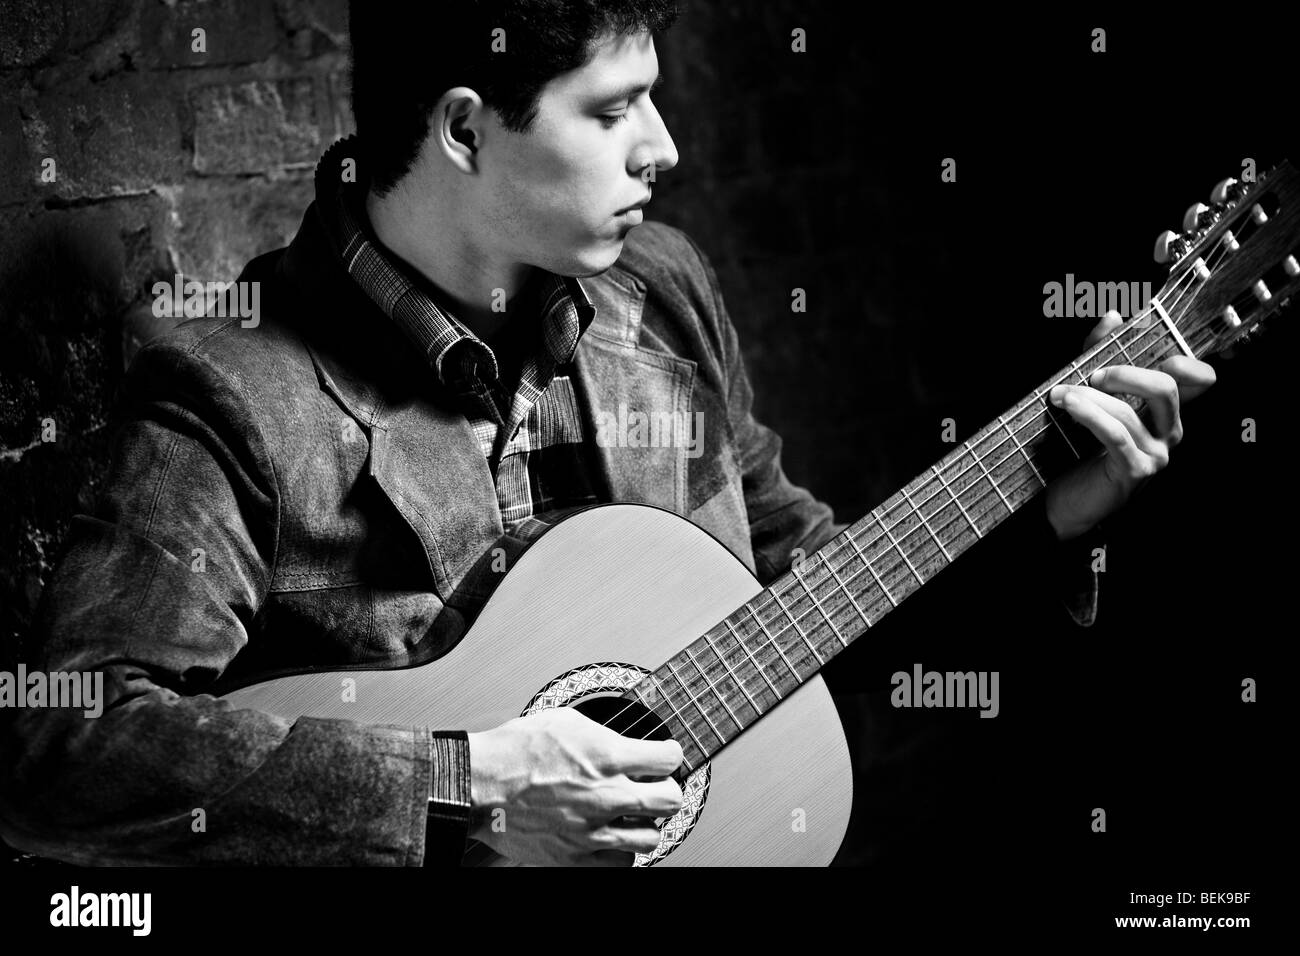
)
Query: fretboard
[{"x": 764, "y": 650}]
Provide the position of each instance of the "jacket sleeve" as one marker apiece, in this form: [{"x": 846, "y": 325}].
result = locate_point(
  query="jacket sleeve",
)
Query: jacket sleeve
[
  {"x": 784, "y": 517},
  {"x": 156, "y": 594}
]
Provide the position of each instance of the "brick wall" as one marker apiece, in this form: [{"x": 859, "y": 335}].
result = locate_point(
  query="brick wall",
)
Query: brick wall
[{"x": 166, "y": 161}]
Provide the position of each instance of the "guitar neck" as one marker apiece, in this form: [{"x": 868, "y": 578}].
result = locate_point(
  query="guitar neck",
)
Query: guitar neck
[{"x": 764, "y": 650}]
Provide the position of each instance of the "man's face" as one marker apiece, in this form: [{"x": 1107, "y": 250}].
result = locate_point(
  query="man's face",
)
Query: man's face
[{"x": 552, "y": 197}]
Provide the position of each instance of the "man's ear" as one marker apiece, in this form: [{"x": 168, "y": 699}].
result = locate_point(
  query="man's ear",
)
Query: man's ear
[{"x": 462, "y": 135}]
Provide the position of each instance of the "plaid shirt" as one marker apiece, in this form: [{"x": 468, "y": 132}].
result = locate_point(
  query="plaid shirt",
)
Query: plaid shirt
[{"x": 533, "y": 438}]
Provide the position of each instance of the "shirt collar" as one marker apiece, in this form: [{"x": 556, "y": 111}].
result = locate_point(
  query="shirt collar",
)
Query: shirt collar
[{"x": 562, "y": 302}]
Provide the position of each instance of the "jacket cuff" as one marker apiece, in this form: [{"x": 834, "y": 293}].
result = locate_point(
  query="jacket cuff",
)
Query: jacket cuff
[{"x": 448, "y": 815}]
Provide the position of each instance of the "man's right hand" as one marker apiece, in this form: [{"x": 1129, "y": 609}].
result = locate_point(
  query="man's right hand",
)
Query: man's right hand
[{"x": 549, "y": 787}]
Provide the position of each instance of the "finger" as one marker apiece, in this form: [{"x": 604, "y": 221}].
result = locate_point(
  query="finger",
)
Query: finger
[
  {"x": 648, "y": 758},
  {"x": 662, "y": 798},
  {"x": 1158, "y": 388},
  {"x": 1192, "y": 375},
  {"x": 1123, "y": 413},
  {"x": 1117, "y": 439},
  {"x": 640, "y": 839},
  {"x": 1108, "y": 324}
]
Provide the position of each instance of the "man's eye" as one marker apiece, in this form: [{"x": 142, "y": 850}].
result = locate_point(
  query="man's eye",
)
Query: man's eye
[{"x": 608, "y": 120}]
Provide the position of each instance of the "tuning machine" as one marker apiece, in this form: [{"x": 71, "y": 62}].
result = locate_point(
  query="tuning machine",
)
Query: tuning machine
[
  {"x": 1226, "y": 192},
  {"x": 1197, "y": 218},
  {"x": 1170, "y": 247}
]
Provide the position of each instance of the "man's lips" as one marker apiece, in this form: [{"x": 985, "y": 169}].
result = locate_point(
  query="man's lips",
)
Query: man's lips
[{"x": 636, "y": 205}]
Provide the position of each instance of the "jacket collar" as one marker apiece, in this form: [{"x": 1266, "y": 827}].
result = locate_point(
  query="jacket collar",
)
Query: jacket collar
[
  {"x": 373, "y": 371},
  {"x": 410, "y": 301}
]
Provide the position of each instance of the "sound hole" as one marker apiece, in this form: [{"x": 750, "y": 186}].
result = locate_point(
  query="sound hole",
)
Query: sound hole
[{"x": 631, "y": 718}]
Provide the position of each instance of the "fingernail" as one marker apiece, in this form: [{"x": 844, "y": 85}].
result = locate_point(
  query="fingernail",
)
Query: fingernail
[
  {"x": 1056, "y": 394},
  {"x": 1096, "y": 377}
]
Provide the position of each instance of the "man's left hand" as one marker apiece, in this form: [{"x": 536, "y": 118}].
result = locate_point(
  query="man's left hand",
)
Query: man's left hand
[{"x": 1134, "y": 449}]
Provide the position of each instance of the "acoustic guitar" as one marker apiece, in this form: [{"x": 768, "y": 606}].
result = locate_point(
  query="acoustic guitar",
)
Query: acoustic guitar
[{"x": 643, "y": 621}]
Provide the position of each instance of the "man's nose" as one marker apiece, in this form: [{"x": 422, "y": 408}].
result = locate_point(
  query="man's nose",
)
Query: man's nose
[{"x": 659, "y": 149}]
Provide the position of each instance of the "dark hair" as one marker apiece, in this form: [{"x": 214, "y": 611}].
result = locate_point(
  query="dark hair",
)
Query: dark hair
[{"x": 404, "y": 57}]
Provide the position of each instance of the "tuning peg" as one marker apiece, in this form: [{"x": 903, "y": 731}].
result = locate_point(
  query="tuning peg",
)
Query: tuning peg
[
  {"x": 1170, "y": 247},
  {"x": 1225, "y": 191},
  {"x": 1197, "y": 217}
]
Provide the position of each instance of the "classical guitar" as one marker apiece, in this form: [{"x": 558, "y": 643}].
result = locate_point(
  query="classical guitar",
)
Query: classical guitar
[{"x": 643, "y": 621}]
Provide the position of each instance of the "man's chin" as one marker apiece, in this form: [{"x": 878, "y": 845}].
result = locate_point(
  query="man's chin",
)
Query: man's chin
[{"x": 597, "y": 261}]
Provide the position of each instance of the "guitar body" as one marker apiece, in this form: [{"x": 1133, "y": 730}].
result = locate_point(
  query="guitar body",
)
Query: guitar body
[{"x": 608, "y": 592}]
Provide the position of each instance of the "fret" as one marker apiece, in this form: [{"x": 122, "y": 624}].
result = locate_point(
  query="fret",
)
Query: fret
[
  {"x": 743, "y": 647},
  {"x": 694, "y": 700},
  {"x": 703, "y": 673},
  {"x": 830, "y": 564},
  {"x": 1021, "y": 448},
  {"x": 890, "y": 535},
  {"x": 799, "y": 630},
  {"x": 734, "y": 676},
  {"x": 957, "y": 501},
  {"x": 1127, "y": 357},
  {"x": 1051, "y": 409},
  {"x": 926, "y": 522},
  {"x": 762, "y": 627},
  {"x": 818, "y": 604},
  {"x": 1051, "y": 417},
  {"x": 854, "y": 541},
  {"x": 680, "y": 719},
  {"x": 979, "y": 462},
  {"x": 1136, "y": 338}
]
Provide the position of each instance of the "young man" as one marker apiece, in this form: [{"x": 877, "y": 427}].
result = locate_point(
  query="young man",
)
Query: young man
[{"x": 327, "y": 487}]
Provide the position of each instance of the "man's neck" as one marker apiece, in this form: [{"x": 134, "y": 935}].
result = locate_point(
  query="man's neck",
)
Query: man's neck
[{"x": 464, "y": 276}]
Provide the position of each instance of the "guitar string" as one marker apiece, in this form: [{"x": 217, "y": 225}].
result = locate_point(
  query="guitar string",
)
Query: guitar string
[
  {"x": 828, "y": 560},
  {"x": 1013, "y": 435},
  {"x": 1177, "y": 295},
  {"x": 811, "y": 583},
  {"x": 836, "y": 608},
  {"x": 814, "y": 581}
]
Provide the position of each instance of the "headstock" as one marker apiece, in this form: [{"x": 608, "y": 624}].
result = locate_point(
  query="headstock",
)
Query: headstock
[{"x": 1235, "y": 263}]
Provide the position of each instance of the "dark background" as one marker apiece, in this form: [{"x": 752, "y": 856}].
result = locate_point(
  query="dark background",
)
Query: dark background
[{"x": 925, "y": 301}]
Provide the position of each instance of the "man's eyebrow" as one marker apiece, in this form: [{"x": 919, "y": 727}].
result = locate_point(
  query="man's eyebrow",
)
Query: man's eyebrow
[{"x": 629, "y": 92}]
